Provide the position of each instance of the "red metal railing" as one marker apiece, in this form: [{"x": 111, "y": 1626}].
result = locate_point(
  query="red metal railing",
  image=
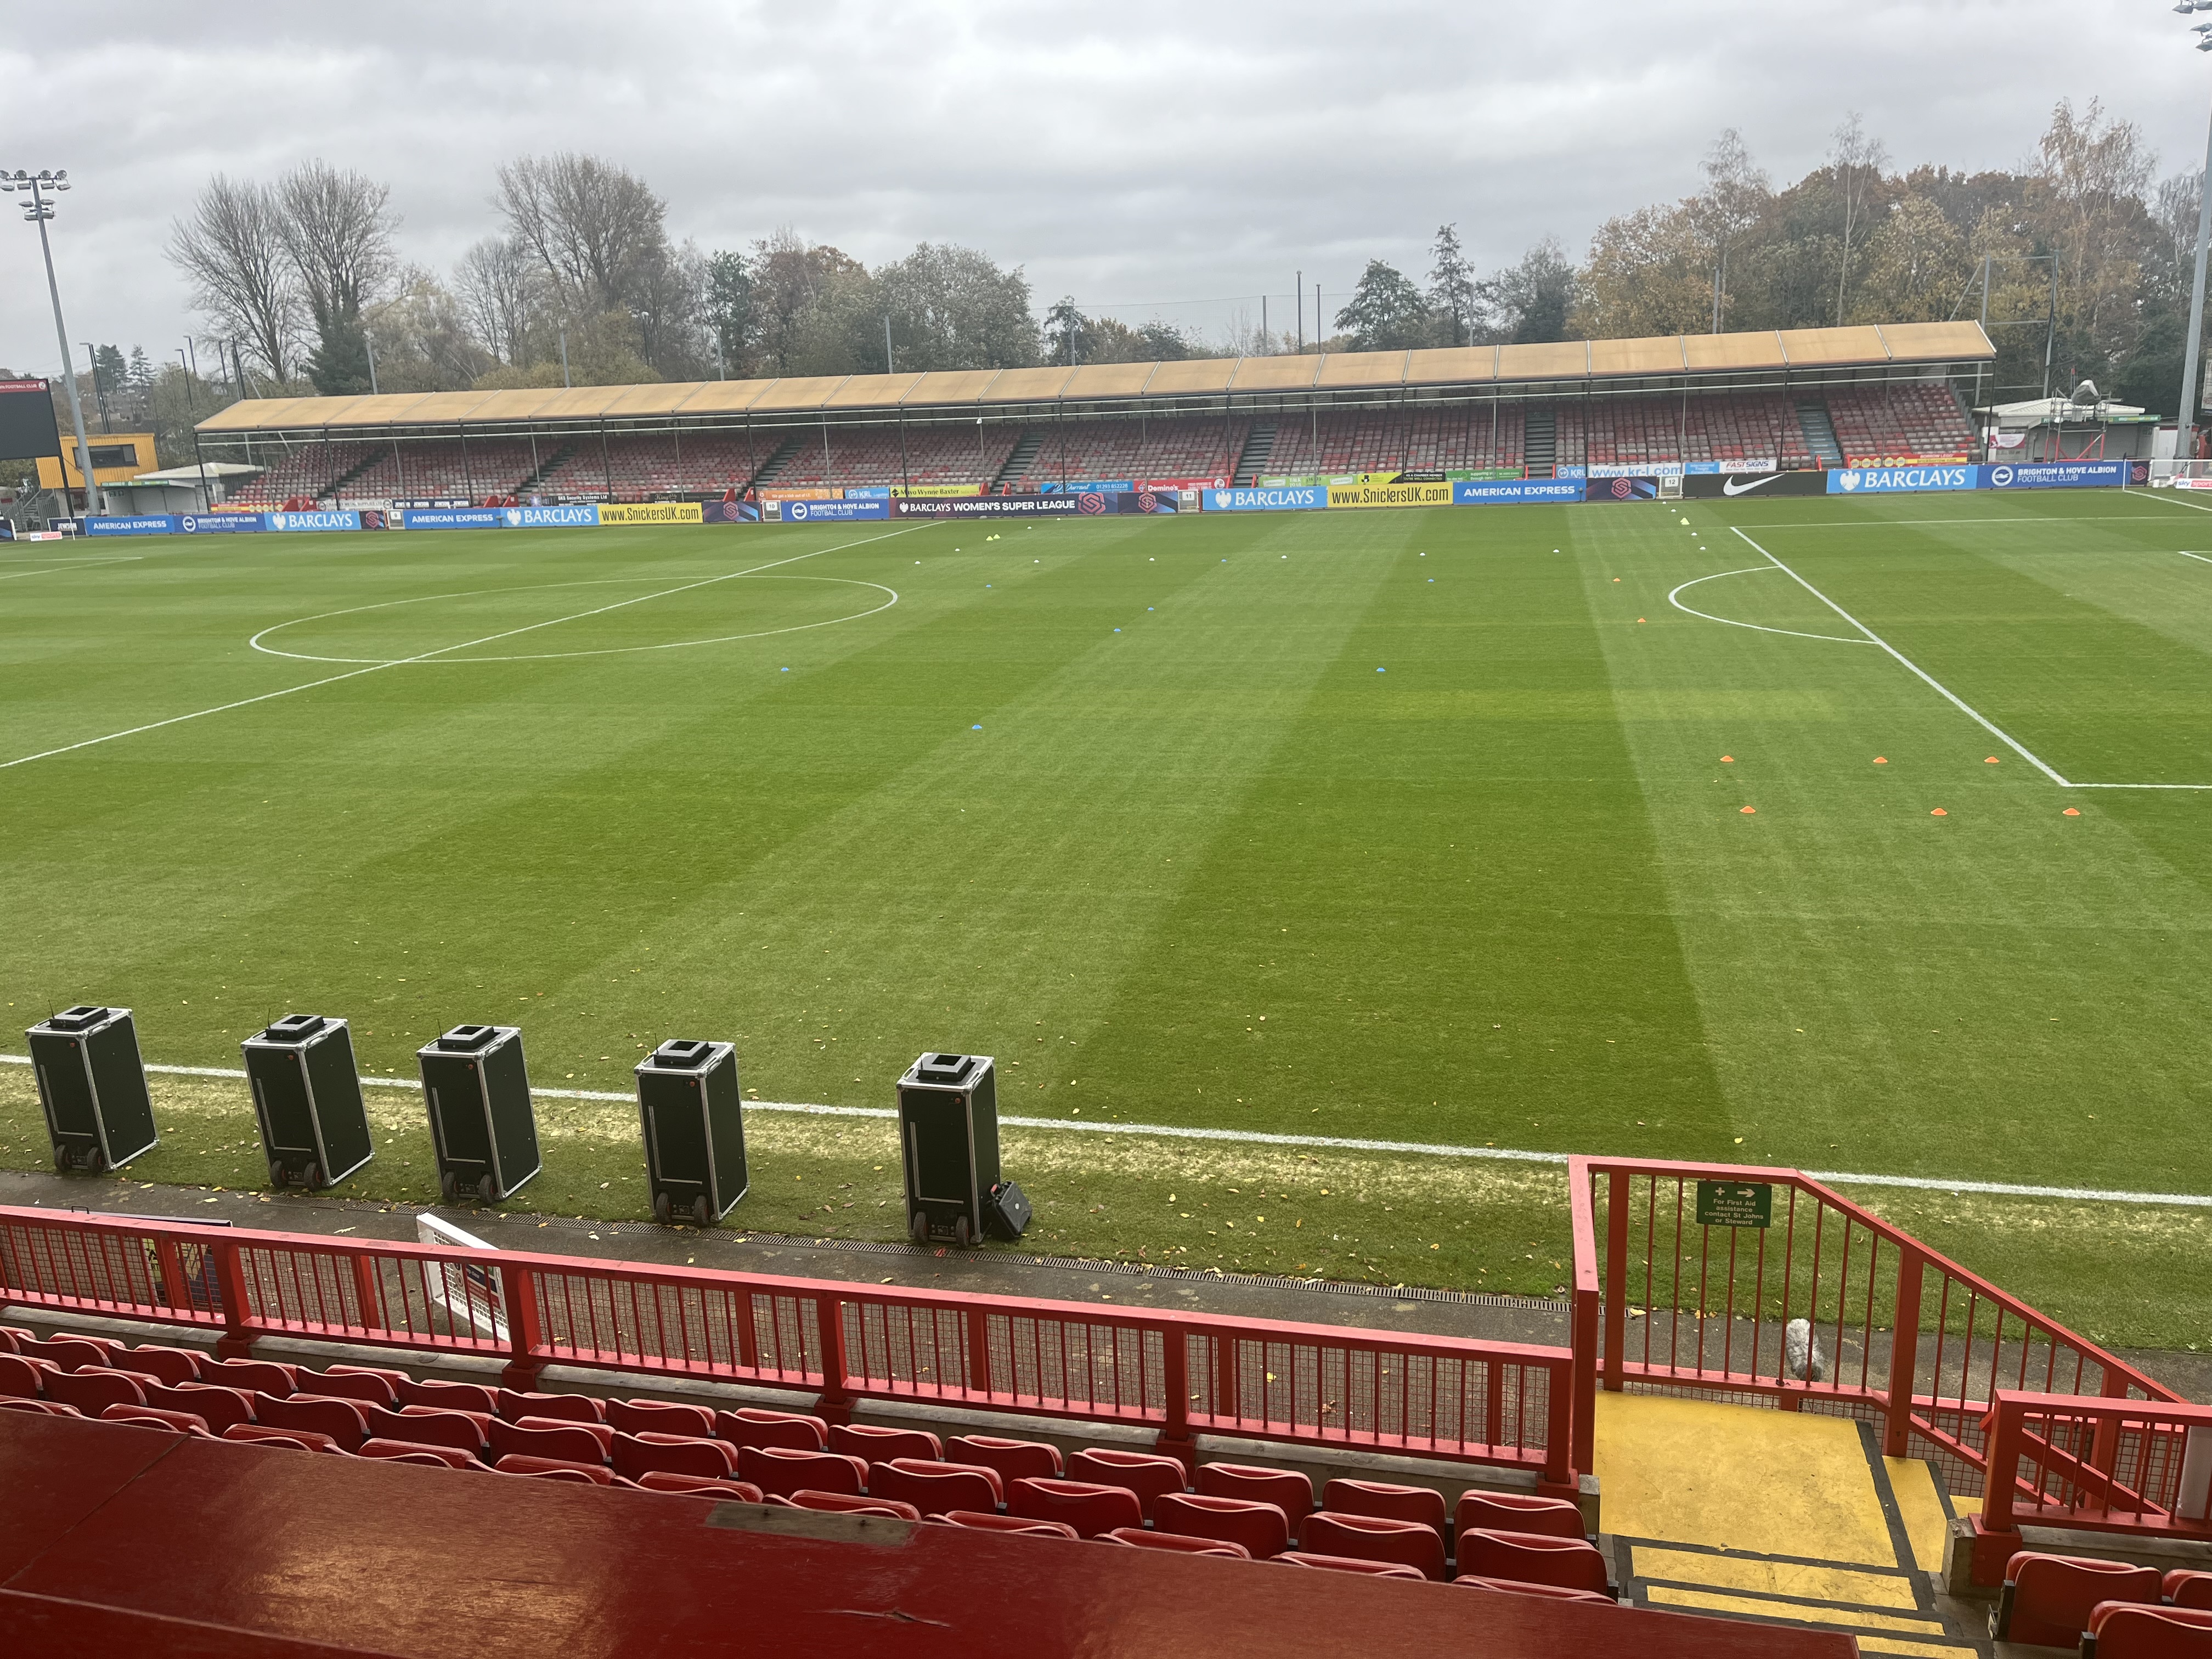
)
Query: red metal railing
[
  {"x": 2093, "y": 1464},
  {"x": 1182, "y": 1374},
  {"x": 1661, "y": 1302}
]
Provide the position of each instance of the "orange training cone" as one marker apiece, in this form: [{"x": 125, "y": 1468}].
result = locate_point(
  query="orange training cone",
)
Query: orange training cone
[
  {"x": 1881, "y": 759},
  {"x": 2073, "y": 811},
  {"x": 1939, "y": 813},
  {"x": 1727, "y": 760},
  {"x": 1747, "y": 808},
  {"x": 1989, "y": 760}
]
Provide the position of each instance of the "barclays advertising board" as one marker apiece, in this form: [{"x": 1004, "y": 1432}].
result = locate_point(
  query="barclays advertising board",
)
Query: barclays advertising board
[
  {"x": 293, "y": 522},
  {"x": 1290, "y": 498},
  {"x": 1492, "y": 491},
  {"x": 1892, "y": 480},
  {"x": 453, "y": 517},
  {"x": 578, "y": 516},
  {"x": 835, "y": 512},
  {"x": 2056, "y": 475},
  {"x": 142, "y": 524},
  {"x": 221, "y": 524}
]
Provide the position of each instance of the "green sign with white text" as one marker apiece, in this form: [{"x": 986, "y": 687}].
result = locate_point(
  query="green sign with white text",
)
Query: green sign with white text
[{"x": 1734, "y": 1203}]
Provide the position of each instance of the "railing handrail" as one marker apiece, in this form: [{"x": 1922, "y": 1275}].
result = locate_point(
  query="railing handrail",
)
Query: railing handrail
[
  {"x": 1582, "y": 1168},
  {"x": 2010, "y": 1411},
  {"x": 1161, "y": 1321}
]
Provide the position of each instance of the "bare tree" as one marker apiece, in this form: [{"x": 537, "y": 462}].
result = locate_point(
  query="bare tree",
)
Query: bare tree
[
  {"x": 1858, "y": 161},
  {"x": 231, "y": 250},
  {"x": 1737, "y": 192},
  {"x": 501, "y": 290},
  {"x": 337, "y": 227},
  {"x": 594, "y": 226}
]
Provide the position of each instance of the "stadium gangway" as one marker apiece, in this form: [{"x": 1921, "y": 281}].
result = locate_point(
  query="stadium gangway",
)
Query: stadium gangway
[{"x": 1181, "y": 1374}]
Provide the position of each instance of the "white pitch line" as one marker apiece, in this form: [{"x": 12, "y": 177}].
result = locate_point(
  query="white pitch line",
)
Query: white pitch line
[
  {"x": 1334, "y": 1143},
  {"x": 1752, "y": 570},
  {"x": 465, "y": 644},
  {"x": 1942, "y": 690},
  {"x": 2199, "y": 557},
  {"x": 56, "y": 569}
]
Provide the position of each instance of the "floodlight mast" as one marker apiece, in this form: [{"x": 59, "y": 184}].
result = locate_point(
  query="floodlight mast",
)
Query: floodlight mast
[
  {"x": 2185, "y": 420},
  {"x": 37, "y": 210}
]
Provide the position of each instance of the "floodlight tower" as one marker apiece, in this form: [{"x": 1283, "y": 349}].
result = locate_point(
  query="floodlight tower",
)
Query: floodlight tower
[
  {"x": 2185, "y": 422},
  {"x": 37, "y": 210}
]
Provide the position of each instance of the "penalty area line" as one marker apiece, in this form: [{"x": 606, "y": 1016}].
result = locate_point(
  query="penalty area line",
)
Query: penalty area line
[{"x": 1332, "y": 1142}]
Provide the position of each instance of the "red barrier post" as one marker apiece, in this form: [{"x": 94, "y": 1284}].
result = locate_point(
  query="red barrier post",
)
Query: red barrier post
[
  {"x": 1580, "y": 1380},
  {"x": 1996, "y": 1537},
  {"x": 1904, "y": 1355},
  {"x": 236, "y": 1341},
  {"x": 1616, "y": 1269},
  {"x": 1176, "y": 1440},
  {"x": 518, "y": 1289},
  {"x": 835, "y": 1403}
]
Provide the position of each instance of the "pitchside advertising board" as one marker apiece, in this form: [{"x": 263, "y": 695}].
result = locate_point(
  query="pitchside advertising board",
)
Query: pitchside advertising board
[
  {"x": 2064, "y": 474},
  {"x": 1089, "y": 504},
  {"x": 1894, "y": 480},
  {"x": 1508, "y": 491},
  {"x": 835, "y": 512},
  {"x": 1287, "y": 498},
  {"x": 1703, "y": 486}
]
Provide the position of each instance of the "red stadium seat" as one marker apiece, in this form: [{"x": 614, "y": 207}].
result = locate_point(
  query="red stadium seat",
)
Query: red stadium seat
[
  {"x": 12, "y": 1402},
  {"x": 25, "y": 1378},
  {"x": 779, "y": 1470},
  {"x": 838, "y": 1502},
  {"x": 370, "y": 1387},
  {"x": 751, "y": 1425},
  {"x": 344, "y": 1421},
  {"x": 2046, "y": 1599},
  {"x": 1089, "y": 1508},
  {"x": 2187, "y": 1589},
  {"x": 222, "y": 1407},
  {"x": 1509, "y": 1511},
  {"x": 658, "y": 1416},
  {"x": 1259, "y": 1529},
  {"x": 9, "y": 1336},
  {"x": 933, "y": 1487},
  {"x": 449, "y": 1396},
  {"x": 462, "y": 1431},
  {"x": 978, "y": 1521},
  {"x": 171, "y": 1365},
  {"x": 1349, "y": 1564},
  {"x": 1424, "y": 1504},
  {"x": 154, "y": 1416},
  {"x": 93, "y": 1391},
  {"x": 1371, "y": 1538},
  {"x": 1180, "y": 1543},
  {"x": 1533, "y": 1557},
  {"x": 416, "y": 1451},
  {"x": 1555, "y": 1592},
  {"x": 1144, "y": 1474},
  {"x": 874, "y": 1444},
  {"x": 554, "y": 1468},
  {"x": 598, "y": 1431},
  {"x": 2133, "y": 1630},
  {"x": 253, "y": 1434},
  {"x": 69, "y": 1352},
  {"x": 392, "y": 1376},
  {"x": 1014, "y": 1460},
  {"x": 736, "y": 1491},
  {"x": 635, "y": 1455},
  {"x": 1286, "y": 1489},
  {"x": 253, "y": 1376},
  {"x": 514, "y": 1406},
  {"x": 542, "y": 1438}
]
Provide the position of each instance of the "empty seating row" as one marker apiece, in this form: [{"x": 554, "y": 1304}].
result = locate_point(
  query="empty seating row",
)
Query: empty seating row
[{"x": 2129, "y": 1612}]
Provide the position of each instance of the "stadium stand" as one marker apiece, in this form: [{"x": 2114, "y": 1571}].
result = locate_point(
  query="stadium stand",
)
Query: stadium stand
[{"x": 1913, "y": 420}]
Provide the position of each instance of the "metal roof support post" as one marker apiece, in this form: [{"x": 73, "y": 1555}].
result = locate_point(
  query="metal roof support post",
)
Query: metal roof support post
[
  {"x": 468, "y": 477},
  {"x": 398, "y": 465},
  {"x": 606, "y": 460},
  {"x": 1062, "y": 411},
  {"x": 207, "y": 500},
  {"x": 906, "y": 469}
]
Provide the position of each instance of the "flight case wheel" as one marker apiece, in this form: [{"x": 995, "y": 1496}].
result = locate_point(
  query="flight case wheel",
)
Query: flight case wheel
[
  {"x": 449, "y": 1185},
  {"x": 917, "y": 1228},
  {"x": 275, "y": 1171},
  {"x": 700, "y": 1212},
  {"x": 960, "y": 1231},
  {"x": 312, "y": 1176},
  {"x": 661, "y": 1209},
  {"x": 486, "y": 1187}
]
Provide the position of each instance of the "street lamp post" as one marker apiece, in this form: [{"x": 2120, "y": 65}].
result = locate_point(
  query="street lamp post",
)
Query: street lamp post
[
  {"x": 37, "y": 210},
  {"x": 2185, "y": 420}
]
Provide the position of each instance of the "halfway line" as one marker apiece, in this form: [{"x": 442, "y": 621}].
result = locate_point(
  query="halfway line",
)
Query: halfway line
[{"x": 1256, "y": 1138}]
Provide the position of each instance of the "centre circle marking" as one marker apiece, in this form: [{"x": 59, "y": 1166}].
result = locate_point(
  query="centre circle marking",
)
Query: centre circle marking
[{"x": 437, "y": 656}]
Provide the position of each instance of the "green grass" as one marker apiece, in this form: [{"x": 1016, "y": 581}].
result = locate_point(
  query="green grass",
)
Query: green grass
[{"x": 1212, "y": 869}]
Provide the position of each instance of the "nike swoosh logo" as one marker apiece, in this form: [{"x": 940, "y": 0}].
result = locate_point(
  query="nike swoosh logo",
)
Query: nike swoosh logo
[{"x": 1730, "y": 487}]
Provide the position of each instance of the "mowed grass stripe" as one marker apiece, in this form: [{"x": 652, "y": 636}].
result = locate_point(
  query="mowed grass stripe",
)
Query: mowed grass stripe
[{"x": 1881, "y": 986}]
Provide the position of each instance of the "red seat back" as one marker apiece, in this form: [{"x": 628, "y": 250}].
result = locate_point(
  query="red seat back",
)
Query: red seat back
[
  {"x": 1422, "y": 1504},
  {"x": 252, "y": 1376},
  {"x": 154, "y": 1416},
  {"x": 93, "y": 1391},
  {"x": 980, "y": 1520},
  {"x": 417, "y": 1451},
  {"x": 781, "y": 1470},
  {"x": 1286, "y": 1489},
  {"x": 543, "y": 1437},
  {"x": 1258, "y": 1529},
  {"x": 514, "y": 1406},
  {"x": 553, "y": 1468},
  {"x": 1089, "y": 1508},
  {"x": 25, "y": 1378},
  {"x": 637, "y": 1456},
  {"x": 1532, "y": 1558},
  {"x": 10, "y": 1402},
  {"x": 736, "y": 1491},
  {"x": 427, "y": 1425},
  {"x": 299, "y": 1439},
  {"x": 171, "y": 1365},
  {"x": 1180, "y": 1543},
  {"x": 2185, "y": 1588},
  {"x": 365, "y": 1386},
  {"x": 344, "y": 1420},
  {"x": 933, "y": 1487},
  {"x": 598, "y": 1431},
  {"x": 750, "y": 1425},
  {"x": 873, "y": 1444},
  {"x": 1557, "y": 1592},
  {"x": 2133, "y": 1630},
  {"x": 448, "y": 1396},
  {"x": 1372, "y": 1538},
  {"x": 2047, "y": 1598},
  {"x": 1146, "y": 1473},
  {"x": 1014, "y": 1460},
  {"x": 1349, "y": 1564},
  {"x": 68, "y": 1352},
  {"x": 1513, "y": 1511},
  {"x": 659, "y": 1416},
  {"x": 838, "y": 1502},
  {"x": 222, "y": 1407}
]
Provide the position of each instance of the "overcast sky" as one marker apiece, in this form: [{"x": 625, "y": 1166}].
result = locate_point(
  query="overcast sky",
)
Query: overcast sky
[{"x": 1139, "y": 156}]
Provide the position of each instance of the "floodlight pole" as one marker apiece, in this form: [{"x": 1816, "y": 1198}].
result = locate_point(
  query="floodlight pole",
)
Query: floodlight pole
[
  {"x": 39, "y": 212},
  {"x": 2185, "y": 420},
  {"x": 99, "y": 397}
]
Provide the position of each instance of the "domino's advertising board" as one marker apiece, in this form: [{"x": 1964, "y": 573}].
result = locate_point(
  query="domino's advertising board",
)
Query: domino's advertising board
[
  {"x": 1490, "y": 492},
  {"x": 293, "y": 522},
  {"x": 1892, "y": 480},
  {"x": 1293, "y": 498},
  {"x": 835, "y": 512},
  {"x": 2055, "y": 474}
]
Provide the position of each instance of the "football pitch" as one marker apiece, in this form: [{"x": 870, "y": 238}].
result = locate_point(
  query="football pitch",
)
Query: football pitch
[{"x": 1445, "y": 827}]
